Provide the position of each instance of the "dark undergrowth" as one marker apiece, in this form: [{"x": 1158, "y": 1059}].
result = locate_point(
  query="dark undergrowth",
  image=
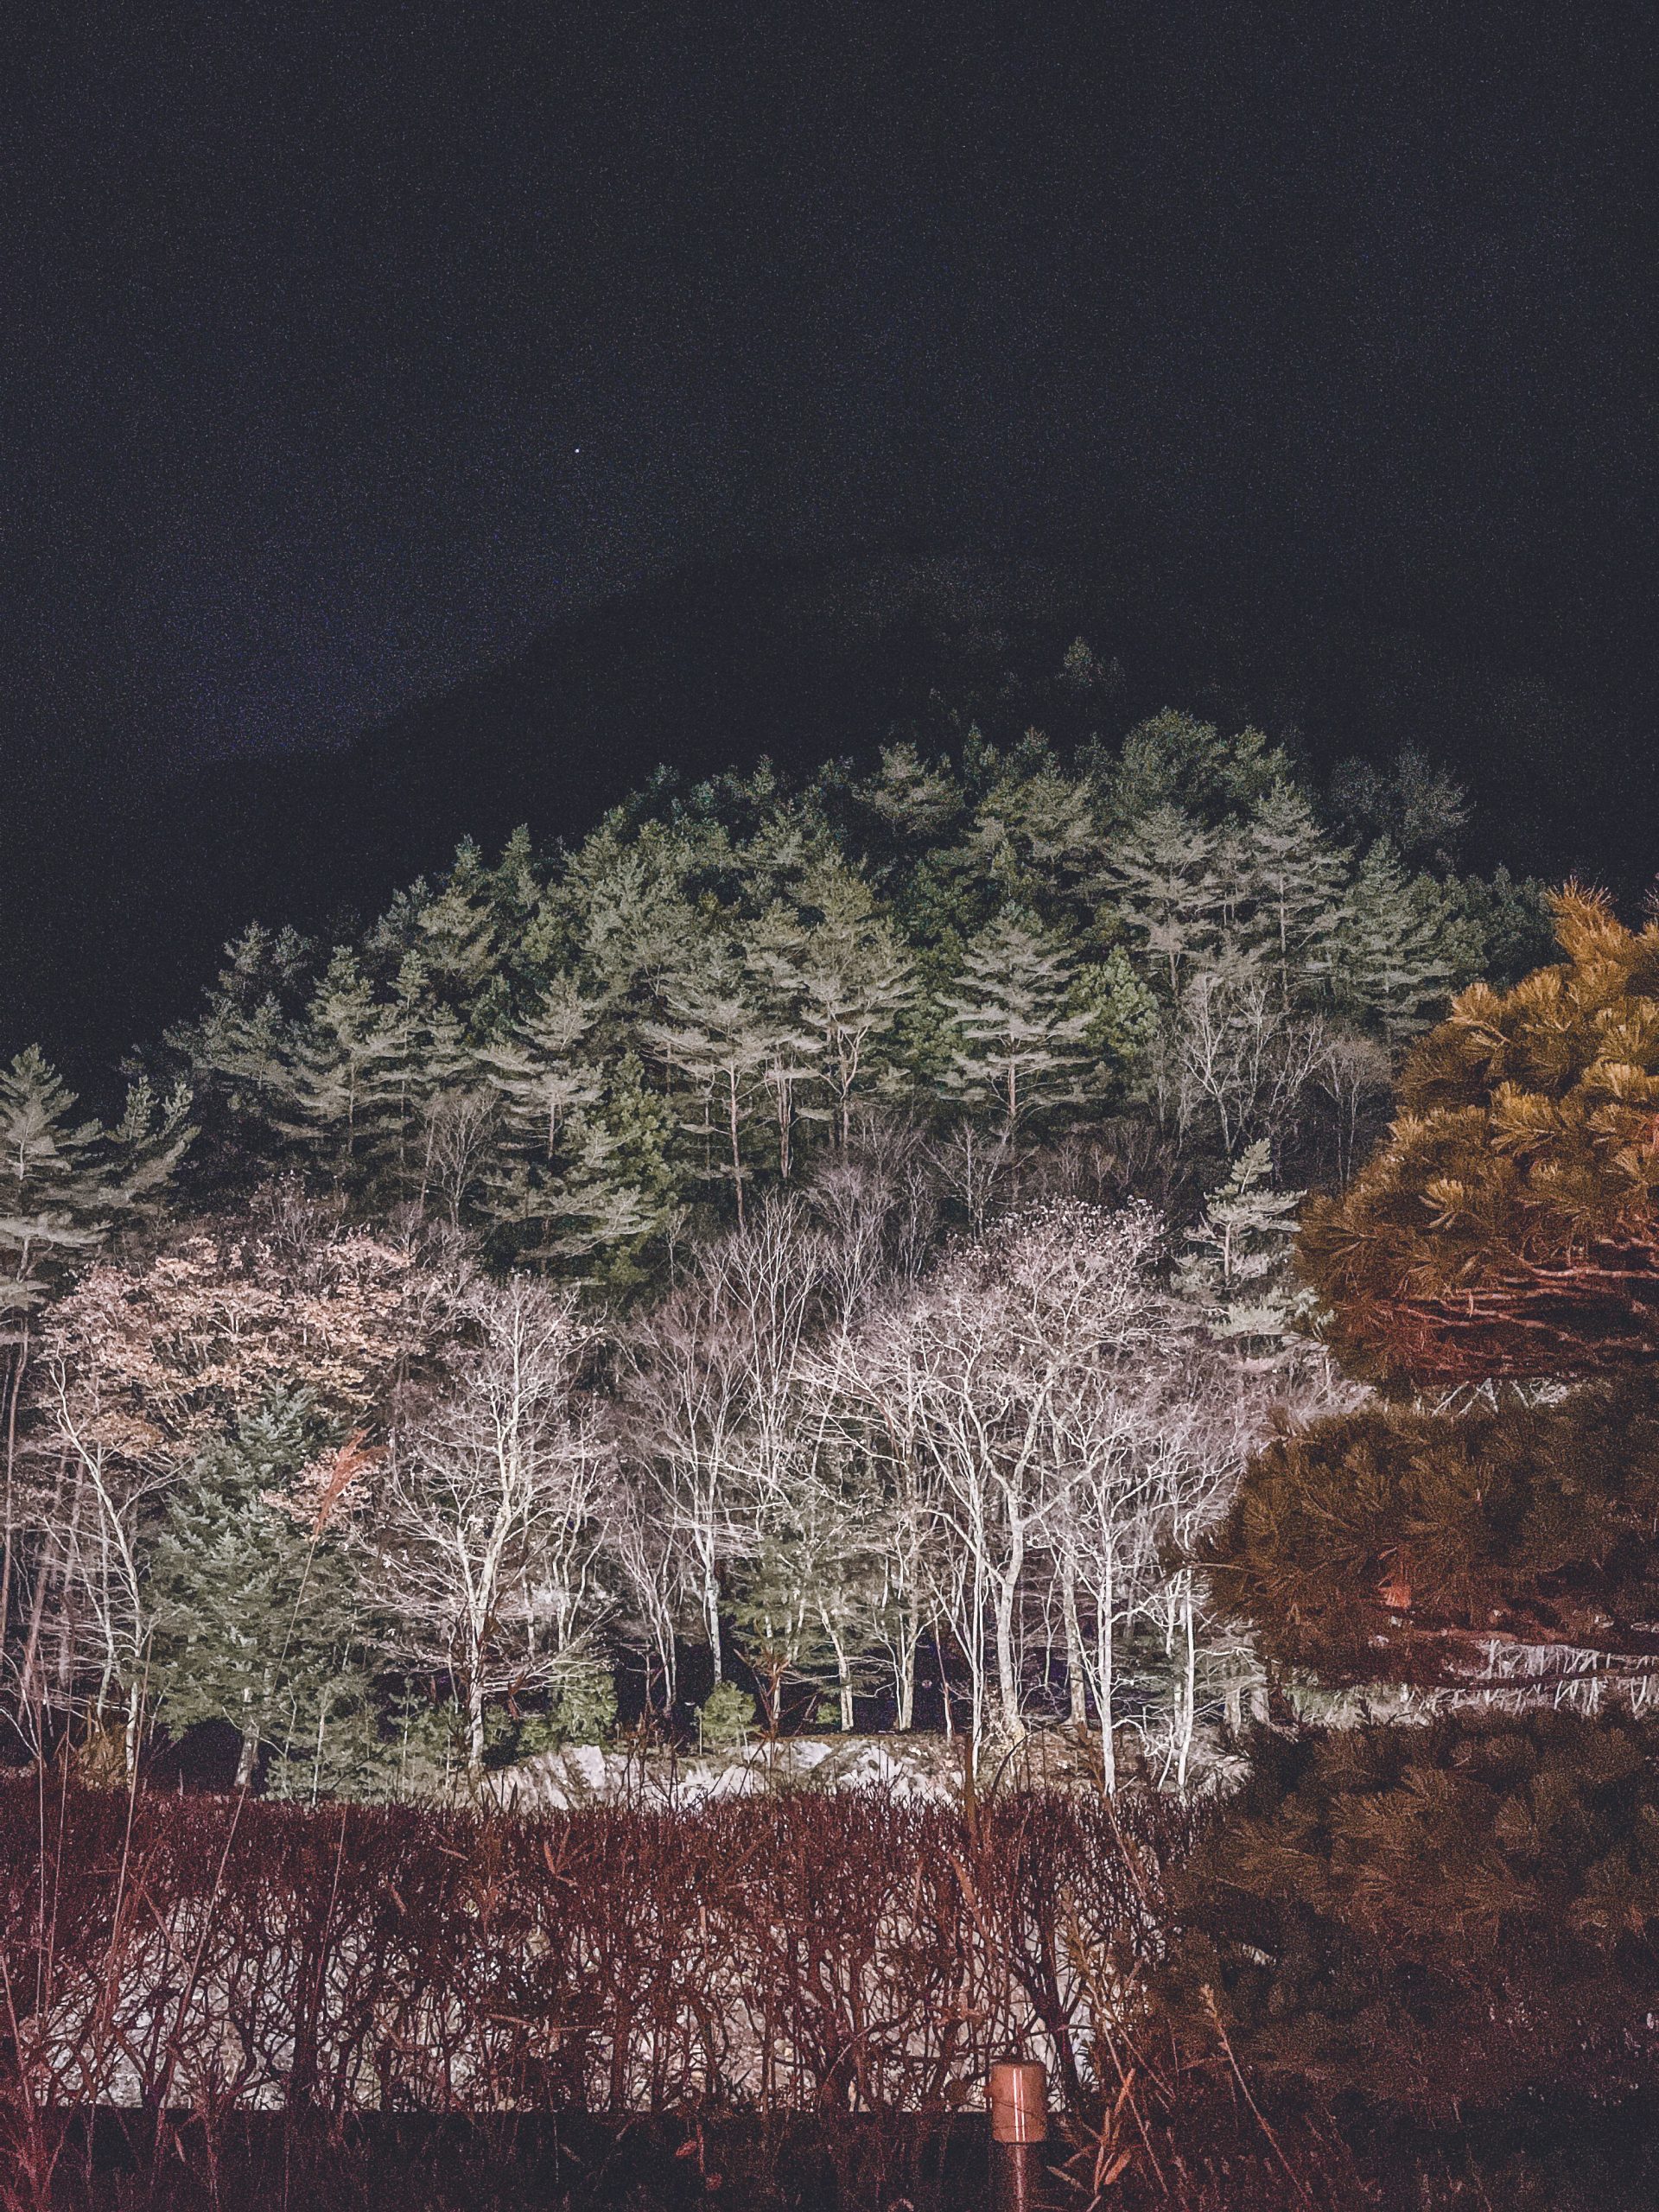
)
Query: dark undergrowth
[{"x": 1214, "y": 2154}]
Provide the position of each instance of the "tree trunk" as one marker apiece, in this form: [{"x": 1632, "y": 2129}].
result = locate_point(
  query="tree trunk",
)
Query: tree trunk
[
  {"x": 1187, "y": 1713},
  {"x": 668, "y": 1657},
  {"x": 474, "y": 1727},
  {"x": 904, "y": 1671},
  {"x": 1078, "y": 1715},
  {"x": 247, "y": 1759},
  {"x": 1105, "y": 1665},
  {"x": 30, "y": 1661},
  {"x": 711, "y": 1623},
  {"x": 14, "y": 1391},
  {"x": 737, "y": 1157},
  {"x": 134, "y": 1715},
  {"x": 1008, "y": 1676}
]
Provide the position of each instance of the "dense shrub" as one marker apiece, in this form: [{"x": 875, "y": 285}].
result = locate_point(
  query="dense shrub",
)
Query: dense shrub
[{"x": 847, "y": 1953}]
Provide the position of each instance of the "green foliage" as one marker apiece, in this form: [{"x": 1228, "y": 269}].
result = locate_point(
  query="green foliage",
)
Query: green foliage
[
  {"x": 1018, "y": 1042},
  {"x": 1175, "y": 760},
  {"x": 1442, "y": 1916},
  {"x": 256, "y": 1620},
  {"x": 1466, "y": 1911},
  {"x": 726, "y": 1718},
  {"x": 775, "y": 1597},
  {"x": 65, "y": 1184},
  {"x": 1237, "y": 1269},
  {"x": 334, "y": 1745},
  {"x": 1510, "y": 1224},
  {"x": 585, "y": 1055},
  {"x": 1390, "y": 966},
  {"x": 582, "y": 1708},
  {"x": 1120, "y": 1017},
  {"x": 1392, "y": 1540},
  {"x": 1420, "y": 808}
]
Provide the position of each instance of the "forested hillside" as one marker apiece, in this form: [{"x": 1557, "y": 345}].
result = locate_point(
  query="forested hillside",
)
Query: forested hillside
[
  {"x": 119, "y": 883},
  {"x": 817, "y": 1248}
]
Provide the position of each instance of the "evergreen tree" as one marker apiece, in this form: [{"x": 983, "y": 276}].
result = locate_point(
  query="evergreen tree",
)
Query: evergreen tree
[
  {"x": 907, "y": 806},
  {"x": 1471, "y": 1910},
  {"x": 234, "y": 1053},
  {"x": 1511, "y": 1223},
  {"x": 57, "y": 1199},
  {"x": 1176, "y": 761},
  {"x": 1388, "y": 956},
  {"x": 836, "y": 969},
  {"x": 257, "y": 1617},
  {"x": 536, "y": 1070},
  {"x": 1420, "y": 808},
  {"x": 1081, "y": 670},
  {"x": 406, "y": 1069},
  {"x": 65, "y": 1184},
  {"x": 713, "y": 1040},
  {"x": 1159, "y": 876},
  {"x": 1019, "y": 1049},
  {"x": 1121, "y": 1016},
  {"x": 343, "y": 1091},
  {"x": 456, "y": 930},
  {"x": 1034, "y": 834},
  {"x": 1237, "y": 1269},
  {"x": 1299, "y": 882}
]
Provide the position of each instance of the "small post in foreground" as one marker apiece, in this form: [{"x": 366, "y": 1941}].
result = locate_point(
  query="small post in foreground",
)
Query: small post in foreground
[{"x": 1017, "y": 2094}]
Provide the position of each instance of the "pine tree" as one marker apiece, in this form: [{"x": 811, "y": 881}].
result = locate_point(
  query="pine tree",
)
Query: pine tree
[
  {"x": 65, "y": 1184},
  {"x": 1019, "y": 1049},
  {"x": 1511, "y": 1223},
  {"x": 536, "y": 1070},
  {"x": 456, "y": 930},
  {"x": 1121, "y": 1016},
  {"x": 1418, "y": 807},
  {"x": 405, "y": 1070},
  {"x": 1299, "y": 878},
  {"x": 257, "y": 1617},
  {"x": 1389, "y": 968},
  {"x": 1159, "y": 878},
  {"x": 1469, "y": 1910},
  {"x": 714, "y": 1039},
  {"x": 1237, "y": 1269},
  {"x": 234, "y": 1053},
  {"x": 837, "y": 974},
  {"x": 1176, "y": 761},
  {"x": 1035, "y": 835},
  {"x": 56, "y": 1201},
  {"x": 342, "y": 1090}
]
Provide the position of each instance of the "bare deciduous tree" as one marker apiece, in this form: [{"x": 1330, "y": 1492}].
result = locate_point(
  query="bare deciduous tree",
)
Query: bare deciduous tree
[
  {"x": 488, "y": 1540},
  {"x": 1242, "y": 1055},
  {"x": 707, "y": 1410}
]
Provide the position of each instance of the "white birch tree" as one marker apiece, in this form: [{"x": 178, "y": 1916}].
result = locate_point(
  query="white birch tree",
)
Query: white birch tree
[{"x": 487, "y": 1546}]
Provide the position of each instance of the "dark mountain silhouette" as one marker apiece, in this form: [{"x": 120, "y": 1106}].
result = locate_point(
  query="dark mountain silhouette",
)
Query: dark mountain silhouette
[{"x": 116, "y": 900}]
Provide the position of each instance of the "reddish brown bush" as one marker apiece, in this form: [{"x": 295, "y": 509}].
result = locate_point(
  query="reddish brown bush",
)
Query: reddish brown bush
[
  {"x": 839, "y": 1954},
  {"x": 786, "y": 2003}
]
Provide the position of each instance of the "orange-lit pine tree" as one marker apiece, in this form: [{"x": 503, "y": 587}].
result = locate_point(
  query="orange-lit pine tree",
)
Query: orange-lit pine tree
[{"x": 1464, "y": 1904}]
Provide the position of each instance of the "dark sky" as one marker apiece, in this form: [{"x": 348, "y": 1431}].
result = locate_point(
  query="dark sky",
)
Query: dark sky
[{"x": 349, "y": 344}]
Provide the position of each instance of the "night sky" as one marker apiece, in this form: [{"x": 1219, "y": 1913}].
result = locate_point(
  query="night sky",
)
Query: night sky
[{"x": 350, "y": 345}]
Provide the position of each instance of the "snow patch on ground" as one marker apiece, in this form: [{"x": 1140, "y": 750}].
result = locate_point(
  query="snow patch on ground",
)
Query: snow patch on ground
[{"x": 926, "y": 1768}]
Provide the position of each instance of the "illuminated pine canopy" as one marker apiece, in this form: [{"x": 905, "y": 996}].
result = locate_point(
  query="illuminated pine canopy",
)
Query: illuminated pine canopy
[
  {"x": 1510, "y": 1226},
  {"x": 1438, "y": 1550},
  {"x": 1463, "y": 1912}
]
